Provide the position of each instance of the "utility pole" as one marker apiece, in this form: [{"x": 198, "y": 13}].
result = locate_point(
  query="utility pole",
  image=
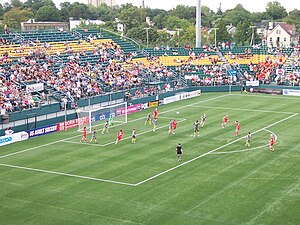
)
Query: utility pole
[
  {"x": 143, "y": 4},
  {"x": 215, "y": 29},
  {"x": 178, "y": 34},
  {"x": 147, "y": 32},
  {"x": 252, "y": 37}
]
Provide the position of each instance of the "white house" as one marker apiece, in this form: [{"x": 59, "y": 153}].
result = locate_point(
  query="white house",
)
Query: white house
[{"x": 281, "y": 35}]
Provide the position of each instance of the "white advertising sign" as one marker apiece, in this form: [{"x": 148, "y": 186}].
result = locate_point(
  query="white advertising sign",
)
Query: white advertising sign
[
  {"x": 254, "y": 83},
  {"x": 291, "y": 92},
  {"x": 9, "y": 139}
]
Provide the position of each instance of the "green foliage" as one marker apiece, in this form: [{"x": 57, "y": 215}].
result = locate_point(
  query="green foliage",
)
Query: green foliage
[
  {"x": 183, "y": 12},
  {"x": 206, "y": 16},
  {"x": 257, "y": 17},
  {"x": 174, "y": 22},
  {"x": 131, "y": 16},
  {"x": 222, "y": 33},
  {"x": 275, "y": 10},
  {"x": 243, "y": 33},
  {"x": 106, "y": 13},
  {"x": 35, "y": 5},
  {"x": 160, "y": 20},
  {"x": 164, "y": 39},
  {"x": 15, "y": 16},
  {"x": 140, "y": 34},
  {"x": 236, "y": 15},
  {"x": 79, "y": 10},
  {"x": 47, "y": 13},
  {"x": 1, "y": 11},
  {"x": 294, "y": 18},
  {"x": 188, "y": 36},
  {"x": 16, "y": 3}
]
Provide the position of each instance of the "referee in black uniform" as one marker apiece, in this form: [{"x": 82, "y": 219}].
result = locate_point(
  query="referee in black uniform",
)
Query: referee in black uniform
[{"x": 179, "y": 152}]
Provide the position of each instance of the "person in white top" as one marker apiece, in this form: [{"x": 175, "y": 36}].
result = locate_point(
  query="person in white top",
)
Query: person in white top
[{"x": 9, "y": 131}]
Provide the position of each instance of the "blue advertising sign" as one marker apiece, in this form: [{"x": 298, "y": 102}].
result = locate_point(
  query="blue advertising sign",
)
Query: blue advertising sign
[{"x": 42, "y": 131}]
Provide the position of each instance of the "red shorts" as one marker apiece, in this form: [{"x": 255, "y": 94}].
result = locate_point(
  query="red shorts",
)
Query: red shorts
[
  {"x": 174, "y": 128},
  {"x": 119, "y": 138}
]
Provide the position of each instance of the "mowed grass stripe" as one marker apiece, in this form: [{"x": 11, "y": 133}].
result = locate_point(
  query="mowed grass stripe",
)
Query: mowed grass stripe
[
  {"x": 164, "y": 200},
  {"x": 113, "y": 168}
]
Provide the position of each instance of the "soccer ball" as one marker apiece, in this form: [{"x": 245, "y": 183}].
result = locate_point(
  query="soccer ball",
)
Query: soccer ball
[{"x": 177, "y": 112}]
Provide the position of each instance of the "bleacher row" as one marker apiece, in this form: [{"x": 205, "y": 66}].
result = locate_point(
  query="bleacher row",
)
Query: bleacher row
[{"x": 100, "y": 61}]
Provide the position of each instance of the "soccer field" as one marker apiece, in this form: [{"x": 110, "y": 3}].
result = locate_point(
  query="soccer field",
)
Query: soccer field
[{"x": 55, "y": 179}]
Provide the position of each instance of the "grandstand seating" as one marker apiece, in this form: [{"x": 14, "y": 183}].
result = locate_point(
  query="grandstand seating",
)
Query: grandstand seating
[{"x": 106, "y": 62}]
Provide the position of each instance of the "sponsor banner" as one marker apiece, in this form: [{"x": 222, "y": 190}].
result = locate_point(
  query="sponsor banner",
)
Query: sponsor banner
[
  {"x": 130, "y": 109},
  {"x": 72, "y": 123},
  {"x": 181, "y": 96},
  {"x": 153, "y": 104},
  {"x": 254, "y": 83},
  {"x": 190, "y": 77},
  {"x": 116, "y": 112},
  {"x": 267, "y": 91},
  {"x": 291, "y": 92},
  {"x": 9, "y": 139},
  {"x": 144, "y": 106},
  {"x": 35, "y": 87},
  {"x": 171, "y": 99},
  {"x": 42, "y": 131},
  {"x": 191, "y": 94}
]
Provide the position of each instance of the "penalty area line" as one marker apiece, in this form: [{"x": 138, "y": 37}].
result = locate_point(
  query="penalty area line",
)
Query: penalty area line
[
  {"x": 248, "y": 149},
  {"x": 79, "y": 135},
  {"x": 214, "y": 150},
  {"x": 65, "y": 174},
  {"x": 113, "y": 142}
]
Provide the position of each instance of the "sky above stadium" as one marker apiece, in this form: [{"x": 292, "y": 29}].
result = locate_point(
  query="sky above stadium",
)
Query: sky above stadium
[{"x": 251, "y": 5}]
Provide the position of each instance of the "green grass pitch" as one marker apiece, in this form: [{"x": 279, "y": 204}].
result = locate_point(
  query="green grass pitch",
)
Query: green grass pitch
[{"x": 55, "y": 179}]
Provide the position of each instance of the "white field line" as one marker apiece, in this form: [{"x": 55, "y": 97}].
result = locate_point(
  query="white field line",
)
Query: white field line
[
  {"x": 29, "y": 149},
  {"x": 248, "y": 149},
  {"x": 214, "y": 150},
  {"x": 241, "y": 109},
  {"x": 267, "y": 96},
  {"x": 79, "y": 176},
  {"x": 66, "y": 174},
  {"x": 113, "y": 142},
  {"x": 81, "y": 143},
  {"x": 238, "y": 151},
  {"x": 79, "y": 135},
  {"x": 51, "y": 143}
]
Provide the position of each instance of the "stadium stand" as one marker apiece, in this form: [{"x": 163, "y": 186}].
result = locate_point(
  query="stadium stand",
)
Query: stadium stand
[{"x": 86, "y": 63}]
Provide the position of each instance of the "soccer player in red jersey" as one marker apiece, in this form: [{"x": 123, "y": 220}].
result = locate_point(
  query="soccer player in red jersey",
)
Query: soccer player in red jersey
[
  {"x": 225, "y": 120},
  {"x": 272, "y": 142},
  {"x": 83, "y": 139},
  {"x": 119, "y": 136},
  {"x": 237, "y": 128},
  {"x": 155, "y": 113},
  {"x": 174, "y": 124}
]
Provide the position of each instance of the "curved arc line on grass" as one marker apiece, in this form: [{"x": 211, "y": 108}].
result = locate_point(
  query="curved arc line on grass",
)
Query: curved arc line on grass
[{"x": 246, "y": 150}]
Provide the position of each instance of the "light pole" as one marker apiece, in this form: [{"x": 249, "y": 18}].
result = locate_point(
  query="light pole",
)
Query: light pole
[
  {"x": 252, "y": 37},
  {"x": 147, "y": 32},
  {"x": 215, "y": 29},
  {"x": 178, "y": 33},
  {"x": 198, "y": 24}
]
